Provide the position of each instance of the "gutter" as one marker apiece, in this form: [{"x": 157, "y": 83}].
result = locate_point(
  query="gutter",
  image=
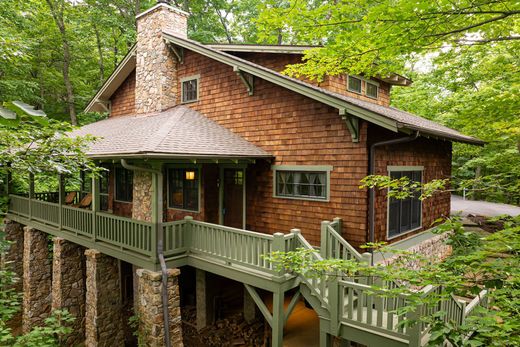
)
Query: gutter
[
  {"x": 160, "y": 250},
  {"x": 372, "y": 194}
]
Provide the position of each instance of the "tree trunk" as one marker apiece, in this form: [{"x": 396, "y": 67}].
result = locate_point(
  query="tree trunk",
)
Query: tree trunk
[
  {"x": 100, "y": 53},
  {"x": 57, "y": 15}
]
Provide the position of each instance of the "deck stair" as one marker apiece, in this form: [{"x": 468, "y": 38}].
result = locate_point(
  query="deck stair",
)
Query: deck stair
[{"x": 351, "y": 308}]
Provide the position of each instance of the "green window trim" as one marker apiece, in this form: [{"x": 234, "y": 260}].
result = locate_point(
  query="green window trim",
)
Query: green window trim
[
  {"x": 185, "y": 98},
  {"x": 374, "y": 85},
  {"x": 351, "y": 81},
  {"x": 170, "y": 171},
  {"x": 320, "y": 173},
  {"x": 397, "y": 205}
]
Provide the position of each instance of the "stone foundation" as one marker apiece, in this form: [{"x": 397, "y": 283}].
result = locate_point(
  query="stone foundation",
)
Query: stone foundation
[
  {"x": 150, "y": 308},
  {"x": 104, "y": 324},
  {"x": 433, "y": 249},
  {"x": 37, "y": 278},
  {"x": 68, "y": 286}
]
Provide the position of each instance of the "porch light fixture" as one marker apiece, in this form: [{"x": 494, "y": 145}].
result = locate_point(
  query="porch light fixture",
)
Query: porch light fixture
[{"x": 190, "y": 175}]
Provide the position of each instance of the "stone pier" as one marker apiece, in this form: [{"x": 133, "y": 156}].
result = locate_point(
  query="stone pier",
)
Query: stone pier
[
  {"x": 13, "y": 259},
  {"x": 37, "y": 278},
  {"x": 150, "y": 308},
  {"x": 68, "y": 286},
  {"x": 104, "y": 322}
]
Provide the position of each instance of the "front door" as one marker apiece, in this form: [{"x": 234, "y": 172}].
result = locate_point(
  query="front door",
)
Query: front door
[{"x": 233, "y": 209}]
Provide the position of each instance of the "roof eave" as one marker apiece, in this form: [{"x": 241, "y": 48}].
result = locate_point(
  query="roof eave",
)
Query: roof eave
[
  {"x": 123, "y": 70},
  {"x": 444, "y": 136},
  {"x": 159, "y": 155}
]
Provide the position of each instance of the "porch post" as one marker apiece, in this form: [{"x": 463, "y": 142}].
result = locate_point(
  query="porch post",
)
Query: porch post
[
  {"x": 61, "y": 192},
  {"x": 95, "y": 204},
  {"x": 31, "y": 193},
  {"x": 278, "y": 318}
]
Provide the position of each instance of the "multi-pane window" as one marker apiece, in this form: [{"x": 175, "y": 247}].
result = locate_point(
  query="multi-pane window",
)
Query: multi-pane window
[
  {"x": 183, "y": 189},
  {"x": 371, "y": 90},
  {"x": 124, "y": 184},
  {"x": 404, "y": 214},
  {"x": 190, "y": 90},
  {"x": 301, "y": 184},
  {"x": 103, "y": 190},
  {"x": 354, "y": 84}
]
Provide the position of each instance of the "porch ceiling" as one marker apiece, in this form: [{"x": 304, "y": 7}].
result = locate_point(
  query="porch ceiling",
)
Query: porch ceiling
[{"x": 179, "y": 132}]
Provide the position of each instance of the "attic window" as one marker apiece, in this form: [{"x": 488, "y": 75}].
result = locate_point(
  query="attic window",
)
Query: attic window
[
  {"x": 354, "y": 84},
  {"x": 372, "y": 90},
  {"x": 190, "y": 89}
]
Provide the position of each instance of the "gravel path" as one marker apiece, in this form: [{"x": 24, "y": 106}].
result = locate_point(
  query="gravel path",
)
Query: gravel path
[{"x": 483, "y": 208}]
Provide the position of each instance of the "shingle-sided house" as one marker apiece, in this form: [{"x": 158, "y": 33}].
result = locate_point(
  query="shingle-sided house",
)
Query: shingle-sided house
[{"x": 214, "y": 158}]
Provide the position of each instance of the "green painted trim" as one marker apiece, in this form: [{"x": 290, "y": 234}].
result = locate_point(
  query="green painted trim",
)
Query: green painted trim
[
  {"x": 391, "y": 168},
  {"x": 284, "y": 81},
  {"x": 186, "y": 79},
  {"x": 292, "y": 305},
  {"x": 308, "y": 168}
]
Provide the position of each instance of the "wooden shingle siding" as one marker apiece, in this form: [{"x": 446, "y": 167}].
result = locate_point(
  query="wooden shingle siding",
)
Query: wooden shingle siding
[
  {"x": 297, "y": 131},
  {"x": 123, "y": 100},
  {"x": 433, "y": 155},
  {"x": 337, "y": 84}
]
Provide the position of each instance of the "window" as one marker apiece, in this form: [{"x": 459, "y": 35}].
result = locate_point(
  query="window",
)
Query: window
[
  {"x": 86, "y": 185},
  {"x": 372, "y": 90},
  {"x": 301, "y": 182},
  {"x": 404, "y": 214},
  {"x": 354, "y": 84},
  {"x": 103, "y": 190},
  {"x": 190, "y": 91},
  {"x": 183, "y": 189},
  {"x": 124, "y": 184}
]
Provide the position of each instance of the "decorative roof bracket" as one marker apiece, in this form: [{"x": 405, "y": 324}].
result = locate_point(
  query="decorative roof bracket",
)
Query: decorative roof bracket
[
  {"x": 104, "y": 104},
  {"x": 352, "y": 123},
  {"x": 247, "y": 79},
  {"x": 178, "y": 52}
]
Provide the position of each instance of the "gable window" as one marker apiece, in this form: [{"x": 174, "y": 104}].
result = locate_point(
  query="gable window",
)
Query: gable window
[
  {"x": 354, "y": 84},
  {"x": 302, "y": 182},
  {"x": 183, "y": 188},
  {"x": 124, "y": 184},
  {"x": 404, "y": 215},
  {"x": 190, "y": 89},
  {"x": 372, "y": 90}
]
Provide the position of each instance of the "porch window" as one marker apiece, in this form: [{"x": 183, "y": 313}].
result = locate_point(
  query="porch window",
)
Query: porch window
[
  {"x": 86, "y": 185},
  {"x": 302, "y": 182},
  {"x": 183, "y": 189},
  {"x": 190, "y": 89},
  {"x": 354, "y": 84},
  {"x": 124, "y": 184},
  {"x": 404, "y": 215},
  {"x": 103, "y": 190}
]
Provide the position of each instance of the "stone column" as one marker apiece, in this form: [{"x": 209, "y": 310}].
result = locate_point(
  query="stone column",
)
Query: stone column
[
  {"x": 150, "y": 308},
  {"x": 68, "y": 286},
  {"x": 13, "y": 259},
  {"x": 37, "y": 278},
  {"x": 143, "y": 194},
  {"x": 103, "y": 318}
]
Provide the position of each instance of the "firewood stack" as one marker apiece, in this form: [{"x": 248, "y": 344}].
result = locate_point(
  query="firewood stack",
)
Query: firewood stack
[{"x": 232, "y": 331}]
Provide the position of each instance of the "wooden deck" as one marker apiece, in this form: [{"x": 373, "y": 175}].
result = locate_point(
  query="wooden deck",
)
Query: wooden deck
[{"x": 349, "y": 308}]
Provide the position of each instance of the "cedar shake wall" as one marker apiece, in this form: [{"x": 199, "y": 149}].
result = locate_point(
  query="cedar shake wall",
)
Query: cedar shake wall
[
  {"x": 434, "y": 155},
  {"x": 337, "y": 84},
  {"x": 298, "y": 131},
  {"x": 123, "y": 100}
]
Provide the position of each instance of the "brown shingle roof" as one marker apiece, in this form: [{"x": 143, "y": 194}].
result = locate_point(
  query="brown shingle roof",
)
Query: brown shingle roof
[{"x": 177, "y": 132}]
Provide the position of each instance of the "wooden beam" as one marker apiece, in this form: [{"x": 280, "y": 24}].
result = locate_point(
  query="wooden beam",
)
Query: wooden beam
[
  {"x": 278, "y": 319},
  {"x": 247, "y": 79},
  {"x": 178, "y": 52},
  {"x": 260, "y": 303},
  {"x": 352, "y": 123},
  {"x": 292, "y": 305}
]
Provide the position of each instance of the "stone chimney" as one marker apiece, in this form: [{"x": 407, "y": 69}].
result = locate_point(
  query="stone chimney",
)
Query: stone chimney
[{"x": 156, "y": 65}]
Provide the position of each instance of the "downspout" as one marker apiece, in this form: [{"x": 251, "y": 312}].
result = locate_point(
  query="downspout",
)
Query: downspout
[
  {"x": 372, "y": 193},
  {"x": 160, "y": 250}
]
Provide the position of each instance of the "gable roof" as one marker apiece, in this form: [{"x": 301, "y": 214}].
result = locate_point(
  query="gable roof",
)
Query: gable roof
[
  {"x": 178, "y": 132},
  {"x": 387, "y": 117}
]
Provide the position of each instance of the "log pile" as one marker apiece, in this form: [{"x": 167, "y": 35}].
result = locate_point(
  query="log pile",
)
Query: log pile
[{"x": 232, "y": 331}]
